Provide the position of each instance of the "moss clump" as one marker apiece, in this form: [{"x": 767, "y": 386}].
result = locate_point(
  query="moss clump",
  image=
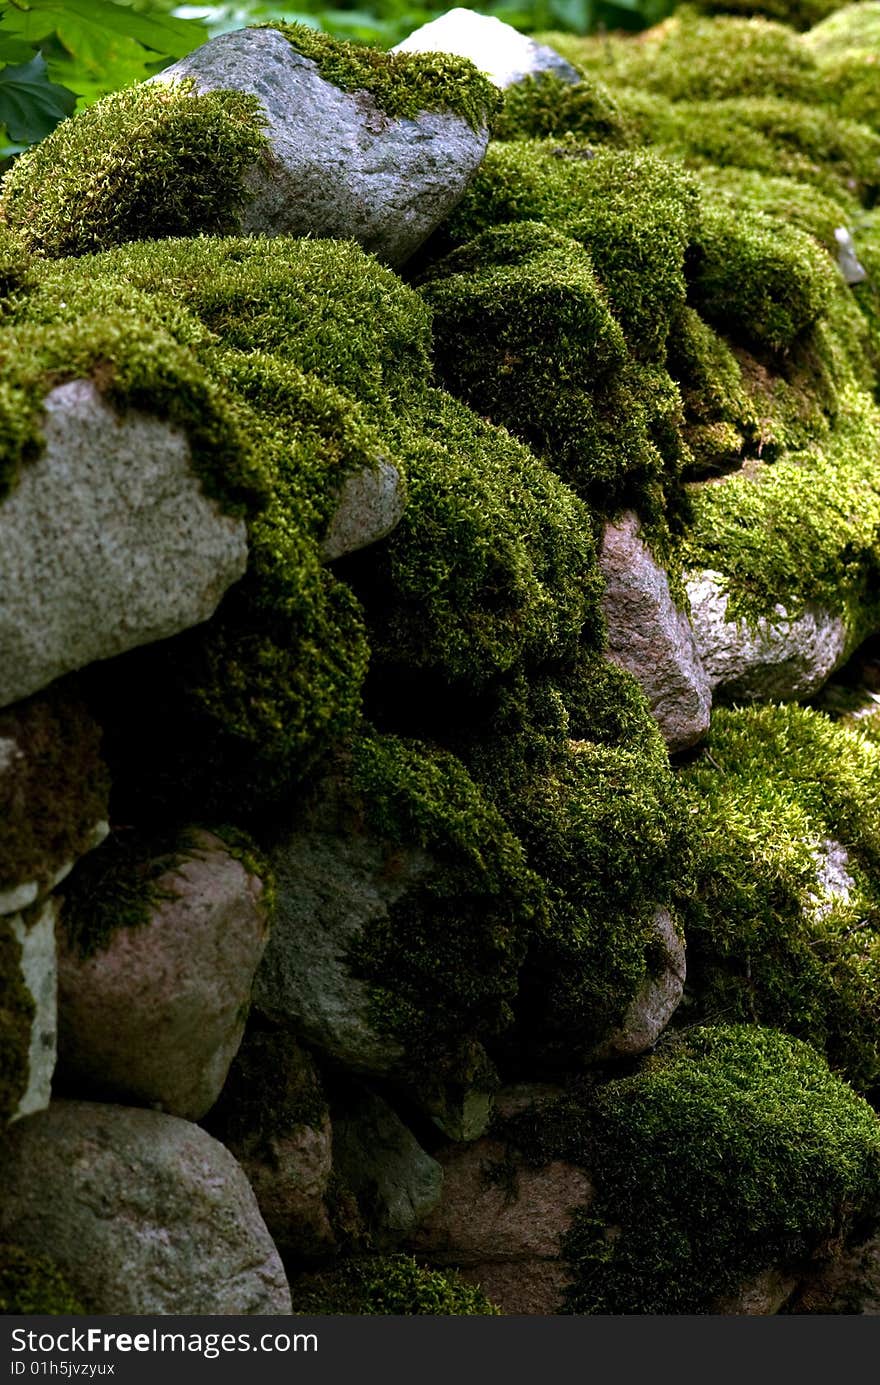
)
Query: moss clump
[
  {"x": 493, "y": 564},
  {"x": 443, "y": 967},
  {"x": 391, "y": 1284},
  {"x": 634, "y": 213},
  {"x": 731, "y": 1150},
  {"x": 30, "y": 1284},
  {"x": 273, "y": 1088},
  {"x": 147, "y": 162},
  {"x": 576, "y": 765},
  {"x": 117, "y": 886},
  {"x": 53, "y": 789},
  {"x": 848, "y": 29},
  {"x": 17, "y": 1011},
  {"x": 545, "y": 106},
  {"x": 401, "y": 84},
  {"x": 768, "y": 941},
  {"x": 721, "y": 422},
  {"x": 766, "y": 283},
  {"x": 804, "y": 530}
]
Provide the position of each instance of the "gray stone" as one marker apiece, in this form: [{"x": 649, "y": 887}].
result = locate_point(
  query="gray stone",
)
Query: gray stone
[
  {"x": 835, "y": 884},
  {"x": 371, "y": 504},
  {"x": 338, "y": 165},
  {"x": 498, "y": 50},
  {"x": 142, "y": 1213},
  {"x": 782, "y": 658},
  {"x": 763, "y": 1296},
  {"x": 36, "y": 938},
  {"x": 851, "y": 267},
  {"x": 395, "y": 1182},
  {"x": 330, "y": 888},
  {"x": 157, "y": 1016},
  {"x": 106, "y": 542},
  {"x": 650, "y": 637},
  {"x": 656, "y": 1001}
]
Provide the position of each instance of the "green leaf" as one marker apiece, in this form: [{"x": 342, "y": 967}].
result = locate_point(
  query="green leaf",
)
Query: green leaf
[
  {"x": 30, "y": 105},
  {"x": 85, "y": 22}
]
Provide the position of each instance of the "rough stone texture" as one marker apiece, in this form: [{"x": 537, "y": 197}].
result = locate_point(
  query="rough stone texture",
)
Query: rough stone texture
[
  {"x": 834, "y": 880},
  {"x": 107, "y": 542},
  {"x": 650, "y": 637},
  {"x": 500, "y": 51},
  {"x": 371, "y": 504},
  {"x": 504, "y": 1238},
  {"x": 339, "y": 166},
  {"x": 781, "y": 659},
  {"x": 36, "y": 937},
  {"x": 142, "y": 1213},
  {"x": 158, "y": 1015},
  {"x": 653, "y": 1006},
  {"x": 395, "y": 1182},
  {"x": 273, "y": 1117},
  {"x": 329, "y": 888},
  {"x": 763, "y": 1296},
  {"x": 848, "y": 1284},
  {"x": 22, "y": 896},
  {"x": 851, "y": 267}
]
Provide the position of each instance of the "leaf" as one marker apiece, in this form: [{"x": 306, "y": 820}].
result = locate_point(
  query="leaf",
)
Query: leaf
[
  {"x": 30, "y": 105},
  {"x": 85, "y": 22}
]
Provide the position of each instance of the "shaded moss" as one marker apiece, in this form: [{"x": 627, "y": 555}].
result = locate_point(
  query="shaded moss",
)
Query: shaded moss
[
  {"x": 143, "y": 163},
  {"x": 804, "y": 530},
  {"x": 401, "y": 84},
  {"x": 17, "y": 1011},
  {"x": 53, "y": 789},
  {"x": 116, "y": 886},
  {"x": 31, "y": 1284},
  {"x": 493, "y": 564},
  {"x": 720, "y": 420},
  {"x": 779, "y": 787},
  {"x": 272, "y": 1089},
  {"x": 393, "y": 1284}
]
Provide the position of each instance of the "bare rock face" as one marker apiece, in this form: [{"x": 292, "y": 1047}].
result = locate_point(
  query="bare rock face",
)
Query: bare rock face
[
  {"x": 501, "y": 1222},
  {"x": 497, "y": 49},
  {"x": 338, "y": 165},
  {"x": 650, "y": 637},
  {"x": 106, "y": 542},
  {"x": 783, "y": 659},
  {"x": 395, "y": 1182},
  {"x": 28, "y": 1011},
  {"x": 371, "y": 504},
  {"x": 157, "y": 1015},
  {"x": 142, "y": 1213},
  {"x": 653, "y": 1006},
  {"x": 847, "y": 1284},
  {"x": 762, "y": 1296}
]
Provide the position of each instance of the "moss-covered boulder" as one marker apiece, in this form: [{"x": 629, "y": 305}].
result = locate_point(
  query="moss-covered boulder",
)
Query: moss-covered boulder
[{"x": 786, "y": 927}]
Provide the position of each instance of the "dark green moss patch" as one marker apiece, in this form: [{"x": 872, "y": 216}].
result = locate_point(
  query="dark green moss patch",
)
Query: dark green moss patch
[
  {"x": 778, "y": 789},
  {"x": 401, "y": 84},
  {"x": 393, "y": 1284},
  {"x": 147, "y": 162},
  {"x": 30, "y": 1284}
]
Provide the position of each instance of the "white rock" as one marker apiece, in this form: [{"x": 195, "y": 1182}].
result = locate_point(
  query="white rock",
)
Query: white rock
[
  {"x": 106, "y": 542},
  {"x": 371, "y": 504},
  {"x": 851, "y": 267},
  {"x": 781, "y": 658},
  {"x": 142, "y": 1213},
  {"x": 500, "y": 51},
  {"x": 650, "y": 637},
  {"x": 835, "y": 884},
  {"x": 339, "y": 166},
  {"x": 657, "y": 1000},
  {"x": 39, "y": 971}
]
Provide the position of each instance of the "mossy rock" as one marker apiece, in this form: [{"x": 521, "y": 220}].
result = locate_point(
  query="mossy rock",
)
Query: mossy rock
[
  {"x": 142, "y": 163},
  {"x": 30, "y": 1284},
  {"x": 780, "y": 792},
  {"x": 545, "y": 106},
  {"x": 392, "y": 1284},
  {"x": 729, "y": 1151}
]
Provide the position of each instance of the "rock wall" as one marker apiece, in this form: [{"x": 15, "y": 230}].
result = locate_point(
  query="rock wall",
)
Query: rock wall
[{"x": 440, "y": 786}]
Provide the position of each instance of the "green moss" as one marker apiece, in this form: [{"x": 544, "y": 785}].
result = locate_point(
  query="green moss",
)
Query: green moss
[
  {"x": 545, "y": 106},
  {"x": 393, "y": 1284},
  {"x": 493, "y": 564},
  {"x": 765, "y": 943},
  {"x": 17, "y": 1011},
  {"x": 804, "y": 530},
  {"x": 800, "y": 13},
  {"x": 443, "y": 967},
  {"x": 576, "y": 765},
  {"x": 765, "y": 282},
  {"x": 273, "y": 1089},
  {"x": 849, "y": 29},
  {"x": 147, "y": 162},
  {"x": 401, "y": 84},
  {"x": 720, "y": 420},
  {"x": 31, "y": 1284},
  {"x": 633, "y": 212},
  {"x": 242, "y": 848}
]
